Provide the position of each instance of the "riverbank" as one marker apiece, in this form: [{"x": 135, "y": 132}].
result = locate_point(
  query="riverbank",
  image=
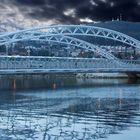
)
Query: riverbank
[
  {"x": 102, "y": 75},
  {"x": 73, "y": 75},
  {"x": 19, "y": 82}
]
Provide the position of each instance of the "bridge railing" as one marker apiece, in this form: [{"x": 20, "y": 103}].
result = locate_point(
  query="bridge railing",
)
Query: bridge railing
[{"x": 65, "y": 63}]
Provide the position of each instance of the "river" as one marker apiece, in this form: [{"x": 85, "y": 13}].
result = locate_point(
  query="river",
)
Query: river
[{"x": 68, "y": 108}]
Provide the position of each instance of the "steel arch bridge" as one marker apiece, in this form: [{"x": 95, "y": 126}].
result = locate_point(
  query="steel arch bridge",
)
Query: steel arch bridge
[{"x": 67, "y": 35}]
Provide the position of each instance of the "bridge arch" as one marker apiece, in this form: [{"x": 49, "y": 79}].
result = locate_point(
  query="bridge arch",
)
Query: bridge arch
[
  {"x": 74, "y": 30},
  {"x": 67, "y": 40},
  {"x": 68, "y": 31},
  {"x": 94, "y": 31}
]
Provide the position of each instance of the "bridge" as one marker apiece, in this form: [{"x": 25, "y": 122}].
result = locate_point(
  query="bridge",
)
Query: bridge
[{"x": 69, "y": 37}]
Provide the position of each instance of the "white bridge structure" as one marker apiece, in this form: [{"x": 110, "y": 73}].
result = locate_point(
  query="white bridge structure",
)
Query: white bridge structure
[{"x": 67, "y": 35}]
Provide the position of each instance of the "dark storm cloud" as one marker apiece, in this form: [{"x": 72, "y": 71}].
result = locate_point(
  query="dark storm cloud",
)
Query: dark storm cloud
[{"x": 97, "y": 10}]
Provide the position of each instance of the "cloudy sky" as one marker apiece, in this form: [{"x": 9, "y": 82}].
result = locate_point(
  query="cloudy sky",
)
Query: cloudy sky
[{"x": 33, "y": 12}]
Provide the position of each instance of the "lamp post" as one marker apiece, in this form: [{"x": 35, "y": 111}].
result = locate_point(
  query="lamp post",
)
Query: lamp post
[
  {"x": 7, "y": 48},
  {"x": 28, "y": 51}
]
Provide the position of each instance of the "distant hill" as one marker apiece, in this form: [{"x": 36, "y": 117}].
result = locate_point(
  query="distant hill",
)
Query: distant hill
[{"x": 130, "y": 28}]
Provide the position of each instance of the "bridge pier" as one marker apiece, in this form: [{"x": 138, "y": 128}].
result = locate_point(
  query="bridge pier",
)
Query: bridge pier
[{"x": 133, "y": 75}]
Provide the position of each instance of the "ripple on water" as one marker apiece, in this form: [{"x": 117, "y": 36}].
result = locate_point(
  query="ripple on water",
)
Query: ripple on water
[{"x": 73, "y": 113}]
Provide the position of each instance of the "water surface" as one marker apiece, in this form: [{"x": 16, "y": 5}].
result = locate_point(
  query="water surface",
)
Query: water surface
[{"x": 69, "y": 109}]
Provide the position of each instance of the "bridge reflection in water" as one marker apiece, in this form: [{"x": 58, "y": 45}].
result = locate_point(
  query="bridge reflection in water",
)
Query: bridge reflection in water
[{"x": 68, "y": 113}]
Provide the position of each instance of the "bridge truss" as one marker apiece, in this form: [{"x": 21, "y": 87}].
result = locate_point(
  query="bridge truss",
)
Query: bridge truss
[{"x": 67, "y": 35}]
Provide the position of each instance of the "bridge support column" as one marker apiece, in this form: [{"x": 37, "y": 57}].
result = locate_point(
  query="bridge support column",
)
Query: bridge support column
[{"x": 133, "y": 75}]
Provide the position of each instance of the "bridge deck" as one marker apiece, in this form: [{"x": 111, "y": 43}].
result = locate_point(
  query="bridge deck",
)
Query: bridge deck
[
  {"x": 30, "y": 65},
  {"x": 57, "y": 71}
]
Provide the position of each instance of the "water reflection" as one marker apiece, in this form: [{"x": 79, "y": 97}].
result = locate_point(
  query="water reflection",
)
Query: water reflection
[
  {"x": 70, "y": 113},
  {"x": 19, "y": 82}
]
